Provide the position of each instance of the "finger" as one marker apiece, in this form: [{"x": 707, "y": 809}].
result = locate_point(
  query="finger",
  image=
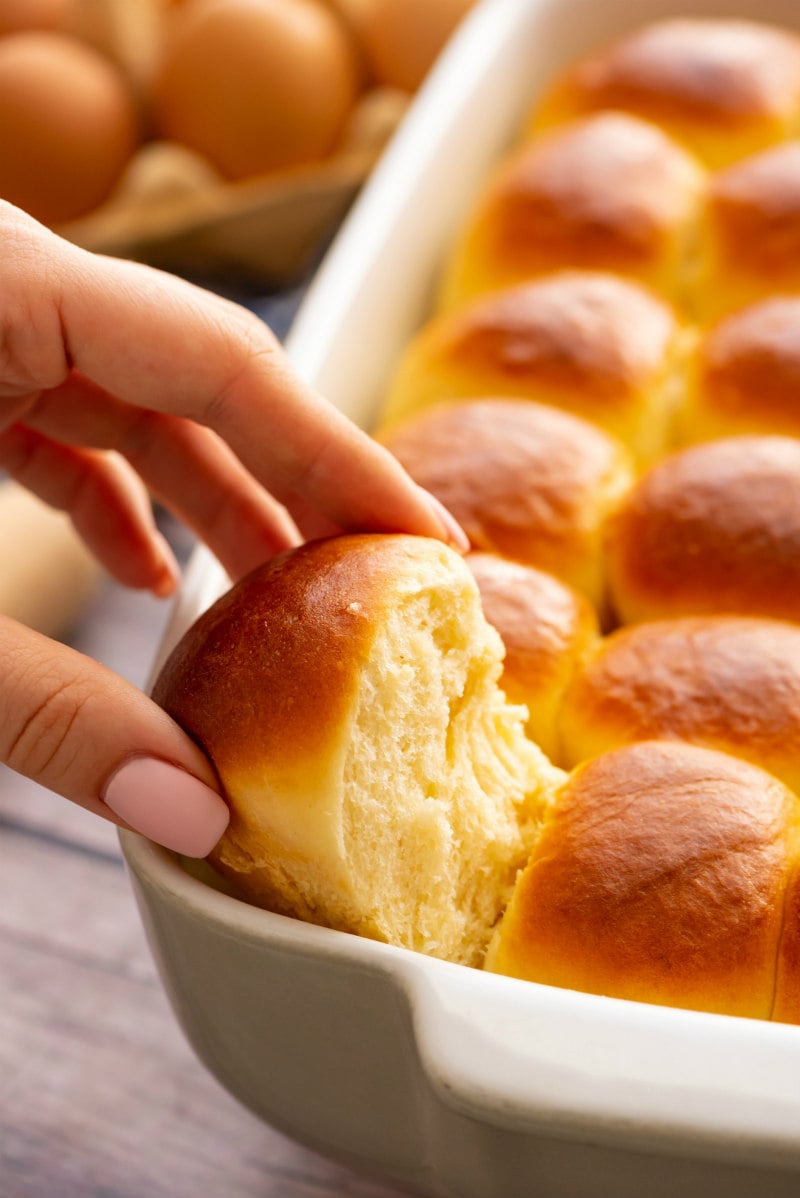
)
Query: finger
[
  {"x": 186, "y": 467},
  {"x": 154, "y": 340},
  {"x": 105, "y": 500},
  {"x": 83, "y": 732}
]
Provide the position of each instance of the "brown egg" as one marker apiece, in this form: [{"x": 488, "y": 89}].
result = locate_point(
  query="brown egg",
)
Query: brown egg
[
  {"x": 68, "y": 125},
  {"x": 16, "y": 15},
  {"x": 255, "y": 85},
  {"x": 402, "y": 38}
]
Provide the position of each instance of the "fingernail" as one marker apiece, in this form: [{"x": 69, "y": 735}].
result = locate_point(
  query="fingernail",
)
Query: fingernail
[
  {"x": 167, "y": 805},
  {"x": 454, "y": 532}
]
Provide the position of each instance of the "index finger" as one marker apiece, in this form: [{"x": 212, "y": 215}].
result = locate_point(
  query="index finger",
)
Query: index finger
[{"x": 158, "y": 342}]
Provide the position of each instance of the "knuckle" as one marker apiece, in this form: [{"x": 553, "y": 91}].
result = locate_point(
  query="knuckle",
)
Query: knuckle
[{"x": 39, "y": 735}]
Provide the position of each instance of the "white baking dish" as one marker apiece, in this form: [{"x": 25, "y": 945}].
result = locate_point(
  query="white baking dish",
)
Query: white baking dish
[{"x": 444, "y": 1079}]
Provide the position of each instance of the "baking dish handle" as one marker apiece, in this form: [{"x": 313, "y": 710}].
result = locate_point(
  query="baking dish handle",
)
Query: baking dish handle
[{"x": 615, "y": 1070}]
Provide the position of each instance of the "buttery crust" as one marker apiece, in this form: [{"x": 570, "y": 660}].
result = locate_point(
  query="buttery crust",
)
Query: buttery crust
[
  {"x": 608, "y": 192},
  {"x": 316, "y": 608},
  {"x": 750, "y": 243},
  {"x": 725, "y": 88},
  {"x": 525, "y": 481},
  {"x": 547, "y": 630},
  {"x": 712, "y": 529},
  {"x": 590, "y": 343},
  {"x": 659, "y": 876},
  {"x": 726, "y": 682},
  {"x": 745, "y": 375}
]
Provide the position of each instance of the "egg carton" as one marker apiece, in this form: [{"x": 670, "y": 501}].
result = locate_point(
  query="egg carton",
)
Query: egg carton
[{"x": 171, "y": 209}]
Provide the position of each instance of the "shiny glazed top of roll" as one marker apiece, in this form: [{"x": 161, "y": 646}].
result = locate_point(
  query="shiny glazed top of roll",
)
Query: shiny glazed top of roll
[
  {"x": 745, "y": 375},
  {"x": 524, "y": 480},
  {"x": 750, "y": 247},
  {"x": 712, "y": 529},
  {"x": 608, "y": 192},
  {"x": 661, "y": 875},
  {"x": 590, "y": 343},
  {"x": 725, "y": 88},
  {"x": 727, "y": 682}
]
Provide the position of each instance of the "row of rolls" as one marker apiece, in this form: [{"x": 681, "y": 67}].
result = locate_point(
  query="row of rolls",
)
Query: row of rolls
[{"x": 607, "y": 397}]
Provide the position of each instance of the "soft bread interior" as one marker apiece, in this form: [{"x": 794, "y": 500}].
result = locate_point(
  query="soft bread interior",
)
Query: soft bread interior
[{"x": 442, "y": 793}]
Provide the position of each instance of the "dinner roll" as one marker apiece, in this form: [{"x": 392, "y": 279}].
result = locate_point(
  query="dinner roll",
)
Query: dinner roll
[
  {"x": 751, "y": 233},
  {"x": 524, "y": 481},
  {"x": 660, "y": 876},
  {"x": 713, "y": 528},
  {"x": 609, "y": 192},
  {"x": 379, "y": 782},
  {"x": 726, "y": 682},
  {"x": 725, "y": 88},
  {"x": 744, "y": 375},
  {"x": 547, "y": 630},
  {"x": 593, "y": 344}
]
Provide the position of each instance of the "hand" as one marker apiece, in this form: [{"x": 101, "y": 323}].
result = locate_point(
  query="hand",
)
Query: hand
[{"x": 118, "y": 382}]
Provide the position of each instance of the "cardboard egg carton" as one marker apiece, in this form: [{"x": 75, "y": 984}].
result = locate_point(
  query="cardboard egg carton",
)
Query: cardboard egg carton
[{"x": 172, "y": 210}]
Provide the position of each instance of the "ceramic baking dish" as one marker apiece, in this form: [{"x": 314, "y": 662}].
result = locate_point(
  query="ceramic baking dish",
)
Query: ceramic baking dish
[{"x": 443, "y": 1079}]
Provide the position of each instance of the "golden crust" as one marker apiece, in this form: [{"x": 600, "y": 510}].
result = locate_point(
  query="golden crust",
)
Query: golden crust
[
  {"x": 726, "y": 88},
  {"x": 751, "y": 232},
  {"x": 525, "y": 481},
  {"x": 610, "y": 192},
  {"x": 590, "y": 343},
  {"x": 786, "y": 1007},
  {"x": 712, "y": 529},
  {"x": 547, "y": 630},
  {"x": 658, "y": 877},
  {"x": 726, "y": 682},
  {"x": 297, "y": 626},
  {"x": 745, "y": 377}
]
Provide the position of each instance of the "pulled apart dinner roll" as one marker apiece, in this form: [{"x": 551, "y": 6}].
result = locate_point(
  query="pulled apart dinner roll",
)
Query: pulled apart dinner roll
[
  {"x": 725, "y": 88},
  {"x": 727, "y": 682},
  {"x": 590, "y": 343},
  {"x": 609, "y": 192},
  {"x": 524, "y": 481},
  {"x": 547, "y": 629},
  {"x": 714, "y": 528},
  {"x": 379, "y": 782},
  {"x": 662, "y": 875},
  {"x": 744, "y": 375}
]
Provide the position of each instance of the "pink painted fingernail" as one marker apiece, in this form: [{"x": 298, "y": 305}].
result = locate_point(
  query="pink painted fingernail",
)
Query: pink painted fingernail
[
  {"x": 167, "y": 805},
  {"x": 454, "y": 532}
]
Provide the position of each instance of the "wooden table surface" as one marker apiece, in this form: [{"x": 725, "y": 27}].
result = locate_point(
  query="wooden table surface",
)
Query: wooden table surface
[{"x": 100, "y": 1096}]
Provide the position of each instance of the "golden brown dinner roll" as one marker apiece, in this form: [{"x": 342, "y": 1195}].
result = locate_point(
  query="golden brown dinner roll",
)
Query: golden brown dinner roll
[
  {"x": 725, "y": 88},
  {"x": 712, "y": 529},
  {"x": 547, "y": 630},
  {"x": 750, "y": 244},
  {"x": 726, "y": 682},
  {"x": 378, "y": 780},
  {"x": 744, "y": 375},
  {"x": 593, "y": 344},
  {"x": 659, "y": 876},
  {"x": 609, "y": 192},
  {"x": 524, "y": 481}
]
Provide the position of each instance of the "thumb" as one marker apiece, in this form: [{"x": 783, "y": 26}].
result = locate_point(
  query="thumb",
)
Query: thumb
[{"x": 72, "y": 725}]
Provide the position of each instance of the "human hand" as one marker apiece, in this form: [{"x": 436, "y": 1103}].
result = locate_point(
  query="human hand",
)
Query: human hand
[{"x": 117, "y": 381}]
